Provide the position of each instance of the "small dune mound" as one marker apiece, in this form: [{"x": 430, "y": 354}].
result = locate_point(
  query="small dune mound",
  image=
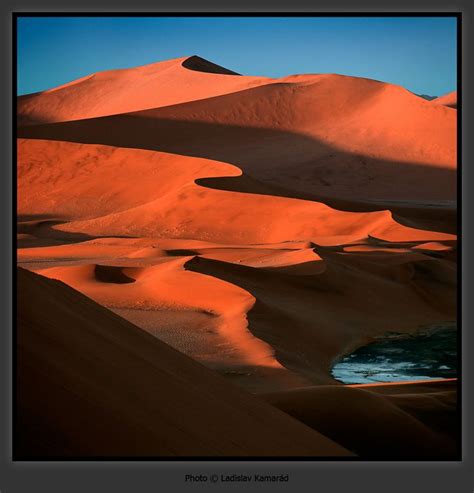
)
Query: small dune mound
[
  {"x": 433, "y": 246},
  {"x": 450, "y": 100}
]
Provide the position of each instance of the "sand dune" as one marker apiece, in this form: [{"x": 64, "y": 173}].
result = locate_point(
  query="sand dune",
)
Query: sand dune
[
  {"x": 264, "y": 227},
  {"x": 167, "y": 286},
  {"x": 96, "y": 385},
  {"x": 450, "y": 100},
  {"x": 124, "y": 90},
  {"x": 158, "y": 196},
  {"x": 376, "y": 426},
  {"x": 321, "y": 329}
]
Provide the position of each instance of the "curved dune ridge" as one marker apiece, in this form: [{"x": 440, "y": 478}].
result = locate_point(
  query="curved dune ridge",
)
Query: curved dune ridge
[
  {"x": 264, "y": 227},
  {"x": 168, "y": 286},
  {"x": 158, "y": 197},
  {"x": 450, "y": 100}
]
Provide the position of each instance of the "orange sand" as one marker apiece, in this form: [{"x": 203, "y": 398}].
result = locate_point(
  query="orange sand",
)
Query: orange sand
[{"x": 450, "y": 100}]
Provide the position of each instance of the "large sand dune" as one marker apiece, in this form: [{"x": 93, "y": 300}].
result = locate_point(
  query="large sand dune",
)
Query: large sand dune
[
  {"x": 90, "y": 383},
  {"x": 120, "y": 91},
  {"x": 265, "y": 227},
  {"x": 155, "y": 194}
]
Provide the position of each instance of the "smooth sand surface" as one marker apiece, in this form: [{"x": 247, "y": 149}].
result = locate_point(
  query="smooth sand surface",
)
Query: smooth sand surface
[
  {"x": 264, "y": 227},
  {"x": 411, "y": 425}
]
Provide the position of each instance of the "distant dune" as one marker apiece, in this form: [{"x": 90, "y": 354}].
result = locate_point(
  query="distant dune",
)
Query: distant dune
[
  {"x": 124, "y": 90},
  {"x": 264, "y": 227},
  {"x": 450, "y": 100}
]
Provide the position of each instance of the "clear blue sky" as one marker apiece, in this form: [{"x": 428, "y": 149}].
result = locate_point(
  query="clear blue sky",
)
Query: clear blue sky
[{"x": 417, "y": 53}]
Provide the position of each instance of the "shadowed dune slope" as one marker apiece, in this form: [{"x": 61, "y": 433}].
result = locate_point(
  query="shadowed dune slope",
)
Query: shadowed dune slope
[
  {"x": 90, "y": 383},
  {"x": 374, "y": 426},
  {"x": 327, "y": 316},
  {"x": 433, "y": 402}
]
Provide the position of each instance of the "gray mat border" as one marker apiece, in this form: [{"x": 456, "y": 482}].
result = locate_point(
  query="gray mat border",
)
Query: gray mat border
[{"x": 331, "y": 477}]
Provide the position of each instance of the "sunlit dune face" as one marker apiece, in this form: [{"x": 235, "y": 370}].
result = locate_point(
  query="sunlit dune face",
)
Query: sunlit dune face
[{"x": 449, "y": 100}]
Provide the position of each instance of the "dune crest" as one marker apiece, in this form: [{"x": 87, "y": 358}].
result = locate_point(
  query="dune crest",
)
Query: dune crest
[{"x": 450, "y": 100}]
